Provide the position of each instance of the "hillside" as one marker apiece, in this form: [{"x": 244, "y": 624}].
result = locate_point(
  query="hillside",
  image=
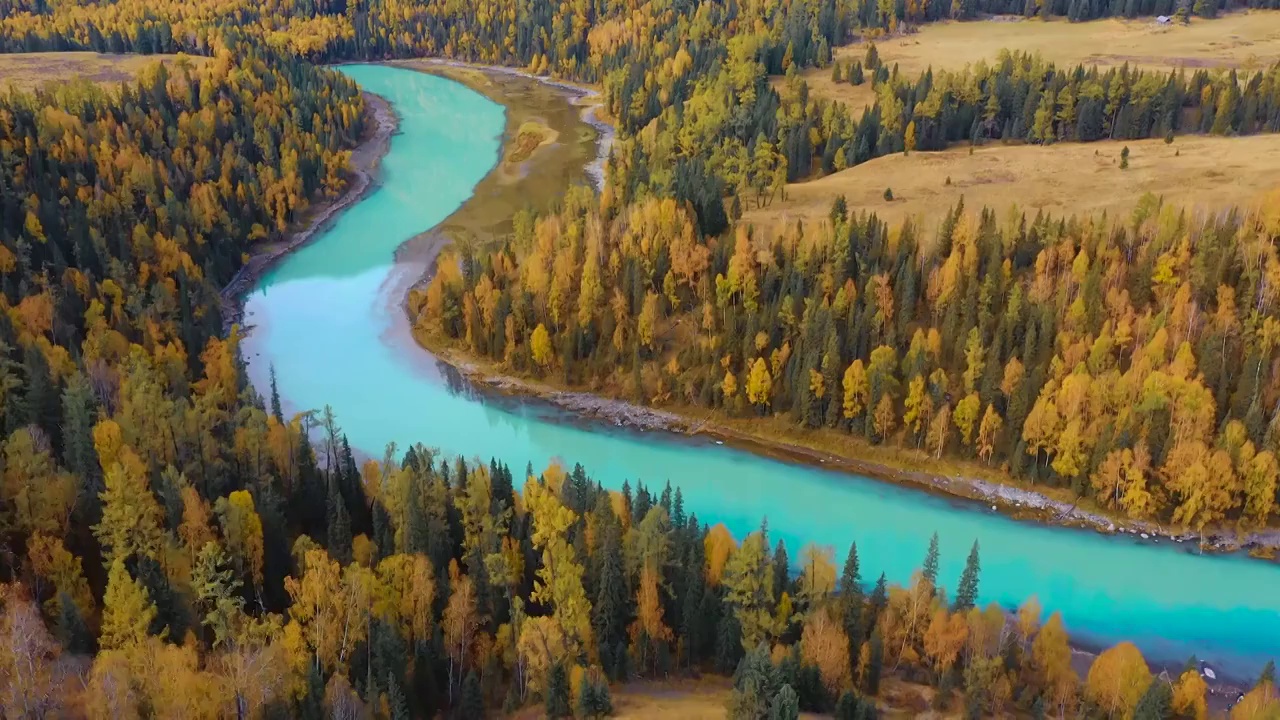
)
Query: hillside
[
  {"x": 1243, "y": 41},
  {"x": 1061, "y": 179}
]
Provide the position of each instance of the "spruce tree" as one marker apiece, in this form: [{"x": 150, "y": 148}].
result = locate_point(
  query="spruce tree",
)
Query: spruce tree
[
  {"x": 755, "y": 684},
  {"x": 728, "y": 642},
  {"x": 851, "y": 600},
  {"x": 41, "y": 398},
  {"x": 471, "y": 704},
  {"x": 1156, "y": 702},
  {"x": 851, "y": 578},
  {"x": 609, "y": 618},
  {"x": 276, "y": 410},
  {"x": 967, "y": 590},
  {"x": 930, "y": 569},
  {"x": 1268, "y": 673},
  {"x": 875, "y": 662},
  {"x": 339, "y": 527},
  {"x": 847, "y": 707},
  {"x": 678, "y": 518},
  {"x": 691, "y": 619},
  {"x": 879, "y": 598},
  {"x": 604, "y": 701},
  {"x": 398, "y": 705},
  {"x": 785, "y": 705},
  {"x": 313, "y": 702},
  {"x": 73, "y": 632},
  {"x": 781, "y": 569},
  {"x": 557, "y": 695},
  {"x": 79, "y": 415}
]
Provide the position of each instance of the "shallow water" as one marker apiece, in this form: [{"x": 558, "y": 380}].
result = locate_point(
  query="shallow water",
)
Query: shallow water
[{"x": 328, "y": 319}]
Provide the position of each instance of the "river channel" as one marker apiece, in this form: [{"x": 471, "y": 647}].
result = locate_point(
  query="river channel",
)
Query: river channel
[{"x": 328, "y": 317}]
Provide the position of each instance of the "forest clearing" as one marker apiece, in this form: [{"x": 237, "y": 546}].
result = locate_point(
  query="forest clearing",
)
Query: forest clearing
[
  {"x": 28, "y": 71},
  {"x": 1060, "y": 180}
]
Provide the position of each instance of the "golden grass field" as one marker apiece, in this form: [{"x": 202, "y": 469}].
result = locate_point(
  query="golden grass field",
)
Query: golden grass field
[
  {"x": 1244, "y": 40},
  {"x": 1062, "y": 179},
  {"x": 28, "y": 71}
]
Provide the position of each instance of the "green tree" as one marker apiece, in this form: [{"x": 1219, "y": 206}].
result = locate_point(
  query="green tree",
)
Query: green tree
[
  {"x": 785, "y": 705},
  {"x": 557, "y": 694},
  {"x": 471, "y": 704},
  {"x": 748, "y": 582},
  {"x": 609, "y": 614},
  {"x": 1156, "y": 703},
  {"x": 930, "y": 568},
  {"x": 967, "y": 590},
  {"x": 875, "y": 664},
  {"x": 755, "y": 684}
]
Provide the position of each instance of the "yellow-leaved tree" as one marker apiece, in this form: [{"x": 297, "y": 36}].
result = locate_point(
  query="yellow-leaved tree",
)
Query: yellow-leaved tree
[
  {"x": 1117, "y": 679},
  {"x": 127, "y": 610}
]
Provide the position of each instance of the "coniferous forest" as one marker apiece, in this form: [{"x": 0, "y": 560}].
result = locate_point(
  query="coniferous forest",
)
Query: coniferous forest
[{"x": 172, "y": 545}]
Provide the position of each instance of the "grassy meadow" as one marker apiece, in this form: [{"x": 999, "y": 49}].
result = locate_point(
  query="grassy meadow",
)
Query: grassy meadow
[
  {"x": 1060, "y": 179},
  {"x": 28, "y": 71},
  {"x": 1244, "y": 41}
]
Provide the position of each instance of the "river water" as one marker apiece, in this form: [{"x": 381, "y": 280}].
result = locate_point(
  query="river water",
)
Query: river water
[{"x": 328, "y": 319}]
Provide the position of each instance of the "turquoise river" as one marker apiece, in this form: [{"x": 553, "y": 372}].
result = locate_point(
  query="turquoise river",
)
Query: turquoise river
[{"x": 328, "y": 318}]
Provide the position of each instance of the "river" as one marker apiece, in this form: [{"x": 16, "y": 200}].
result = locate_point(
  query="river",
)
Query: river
[{"x": 328, "y": 318}]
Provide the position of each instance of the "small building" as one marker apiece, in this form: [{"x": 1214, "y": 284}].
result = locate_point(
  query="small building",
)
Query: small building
[{"x": 1164, "y": 20}]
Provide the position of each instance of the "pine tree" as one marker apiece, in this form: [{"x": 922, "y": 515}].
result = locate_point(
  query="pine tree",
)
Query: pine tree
[
  {"x": 930, "y": 569},
  {"x": 678, "y": 518},
  {"x": 851, "y": 578},
  {"x": 755, "y": 684},
  {"x": 879, "y": 598},
  {"x": 1268, "y": 675},
  {"x": 728, "y": 642},
  {"x": 40, "y": 401},
  {"x": 1156, "y": 702},
  {"x": 339, "y": 527},
  {"x": 967, "y": 590},
  {"x": 313, "y": 702},
  {"x": 781, "y": 569},
  {"x": 609, "y": 616},
  {"x": 72, "y": 630},
  {"x": 875, "y": 662},
  {"x": 398, "y": 705},
  {"x": 79, "y": 410},
  {"x": 785, "y": 705},
  {"x": 691, "y": 621},
  {"x": 276, "y": 410},
  {"x": 471, "y": 704},
  {"x": 851, "y": 600},
  {"x": 557, "y": 696}
]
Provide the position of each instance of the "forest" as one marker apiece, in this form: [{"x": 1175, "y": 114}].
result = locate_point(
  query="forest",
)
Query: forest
[
  {"x": 1130, "y": 361},
  {"x": 174, "y": 545}
]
